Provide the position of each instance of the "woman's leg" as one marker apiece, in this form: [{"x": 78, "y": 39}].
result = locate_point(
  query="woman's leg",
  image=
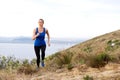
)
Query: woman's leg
[
  {"x": 43, "y": 48},
  {"x": 37, "y": 52}
]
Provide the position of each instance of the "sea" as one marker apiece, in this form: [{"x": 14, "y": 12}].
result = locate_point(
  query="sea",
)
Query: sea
[{"x": 26, "y": 50}]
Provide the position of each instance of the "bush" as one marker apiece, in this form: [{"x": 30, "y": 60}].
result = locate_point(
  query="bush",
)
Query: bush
[
  {"x": 3, "y": 62},
  {"x": 33, "y": 62},
  {"x": 112, "y": 45},
  {"x": 99, "y": 60},
  {"x": 9, "y": 63},
  {"x": 69, "y": 66},
  {"x": 64, "y": 59},
  {"x": 87, "y": 78},
  {"x": 25, "y": 62},
  {"x": 26, "y": 69}
]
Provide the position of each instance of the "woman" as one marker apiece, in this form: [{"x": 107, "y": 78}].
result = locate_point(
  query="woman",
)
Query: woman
[{"x": 40, "y": 44}]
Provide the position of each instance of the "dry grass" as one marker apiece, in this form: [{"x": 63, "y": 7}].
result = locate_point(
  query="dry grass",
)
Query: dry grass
[
  {"x": 85, "y": 51},
  {"x": 6, "y": 75}
]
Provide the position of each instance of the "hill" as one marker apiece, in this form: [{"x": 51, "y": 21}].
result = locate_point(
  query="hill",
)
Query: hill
[
  {"x": 98, "y": 54},
  {"x": 15, "y": 40},
  {"x": 94, "y": 59}
]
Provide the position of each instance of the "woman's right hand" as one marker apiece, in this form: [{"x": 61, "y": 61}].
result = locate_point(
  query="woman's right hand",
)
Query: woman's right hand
[{"x": 37, "y": 34}]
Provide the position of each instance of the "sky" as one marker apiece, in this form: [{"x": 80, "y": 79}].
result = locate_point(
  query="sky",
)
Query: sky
[{"x": 63, "y": 18}]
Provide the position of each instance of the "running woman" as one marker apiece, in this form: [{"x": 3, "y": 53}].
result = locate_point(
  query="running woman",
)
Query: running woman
[{"x": 39, "y": 43}]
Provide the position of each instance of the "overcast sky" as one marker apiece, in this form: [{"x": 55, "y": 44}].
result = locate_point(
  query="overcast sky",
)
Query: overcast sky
[{"x": 63, "y": 18}]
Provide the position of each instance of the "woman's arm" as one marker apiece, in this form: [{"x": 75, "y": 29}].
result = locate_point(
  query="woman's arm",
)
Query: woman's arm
[
  {"x": 34, "y": 35},
  {"x": 48, "y": 35}
]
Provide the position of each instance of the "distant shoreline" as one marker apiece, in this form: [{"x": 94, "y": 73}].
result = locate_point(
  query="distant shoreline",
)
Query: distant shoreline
[{"x": 28, "y": 40}]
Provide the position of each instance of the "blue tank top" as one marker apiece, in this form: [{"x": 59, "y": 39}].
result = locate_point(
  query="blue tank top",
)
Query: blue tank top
[{"x": 40, "y": 40}]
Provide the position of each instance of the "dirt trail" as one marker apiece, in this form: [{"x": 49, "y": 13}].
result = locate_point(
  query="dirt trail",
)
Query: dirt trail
[{"x": 109, "y": 72}]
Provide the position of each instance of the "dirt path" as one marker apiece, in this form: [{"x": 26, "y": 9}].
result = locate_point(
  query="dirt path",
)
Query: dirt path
[
  {"x": 109, "y": 72},
  {"x": 75, "y": 74}
]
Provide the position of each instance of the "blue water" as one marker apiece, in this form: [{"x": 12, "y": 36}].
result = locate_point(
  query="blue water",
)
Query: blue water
[{"x": 26, "y": 50}]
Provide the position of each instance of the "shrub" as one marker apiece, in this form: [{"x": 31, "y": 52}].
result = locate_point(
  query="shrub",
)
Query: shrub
[
  {"x": 87, "y": 77},
  {"x": 112, "y": 45},
  {"x": 63, "y": 59},
  {"x": 33, "y": 62},
  {"x": 99, "y": 60},
  {"x": 9, "y": 63},
  {"x": 3, "y": 60},
  {"x": 26, "y": 69},
  {"x": 12, "y": 63},
  {"x": 69, "y": 66},
  {"x": 25, "y": 62}
]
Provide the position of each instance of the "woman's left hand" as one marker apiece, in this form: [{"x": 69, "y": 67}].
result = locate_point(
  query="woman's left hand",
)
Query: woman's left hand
[{"x": 49, "y": 44}]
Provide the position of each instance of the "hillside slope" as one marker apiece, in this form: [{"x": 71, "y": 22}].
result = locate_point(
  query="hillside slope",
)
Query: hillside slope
[
  {"x": 98, "y": 44},
  {"x": 100, "y": 54}
]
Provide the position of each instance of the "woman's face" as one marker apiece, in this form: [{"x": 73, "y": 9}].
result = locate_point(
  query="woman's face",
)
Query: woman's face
[{"x": 40, "y": 22}]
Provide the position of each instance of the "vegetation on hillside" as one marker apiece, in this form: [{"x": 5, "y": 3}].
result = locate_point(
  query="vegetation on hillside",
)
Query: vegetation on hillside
[{"x": 95, "y": 53}]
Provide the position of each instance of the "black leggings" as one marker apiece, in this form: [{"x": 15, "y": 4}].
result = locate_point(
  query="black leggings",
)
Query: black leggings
[{"x": 37, "y": 52}]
